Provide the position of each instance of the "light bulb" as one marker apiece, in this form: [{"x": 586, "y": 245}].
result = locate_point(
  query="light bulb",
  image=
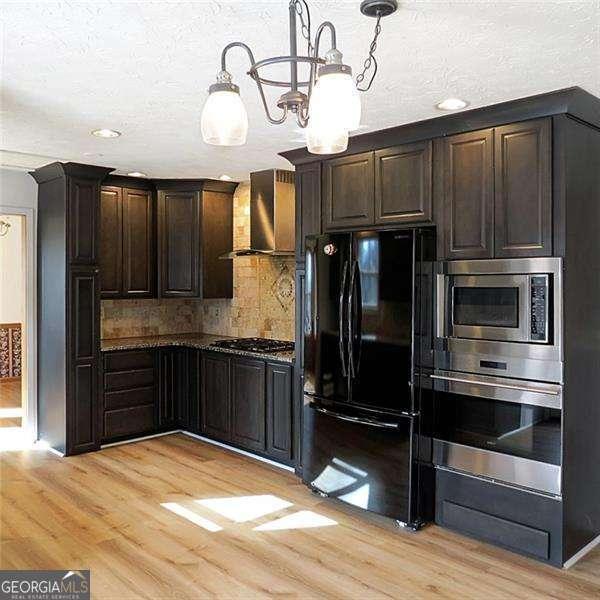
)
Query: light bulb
[{"x": 224, "y": 119}]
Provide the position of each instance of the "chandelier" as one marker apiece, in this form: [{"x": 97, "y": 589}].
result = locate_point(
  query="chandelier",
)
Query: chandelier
[{"x": 328, "y": 109}]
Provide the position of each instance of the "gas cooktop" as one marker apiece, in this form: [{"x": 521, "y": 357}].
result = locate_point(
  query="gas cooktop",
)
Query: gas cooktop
[{"x": 255, "y": 345}]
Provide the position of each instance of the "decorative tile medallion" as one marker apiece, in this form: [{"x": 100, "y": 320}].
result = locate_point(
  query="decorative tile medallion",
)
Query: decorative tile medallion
[{"x": 283, "y": 288}]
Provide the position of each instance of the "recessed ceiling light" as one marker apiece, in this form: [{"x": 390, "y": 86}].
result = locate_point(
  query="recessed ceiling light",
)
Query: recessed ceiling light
[
  {"x": 225, "y": 178},
  {"x": 106, "y": 133},
  {"x": 92, "y": 154},
  {"x": 451, "y": 104},
  {"x": 137, "y": 174}
]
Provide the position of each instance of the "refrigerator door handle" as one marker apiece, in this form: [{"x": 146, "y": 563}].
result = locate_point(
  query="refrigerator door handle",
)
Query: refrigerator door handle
[
  {"x": 354, "y": 317},
  {"x": 358, "y": 420},
  {"x": 341, "y": 347}
]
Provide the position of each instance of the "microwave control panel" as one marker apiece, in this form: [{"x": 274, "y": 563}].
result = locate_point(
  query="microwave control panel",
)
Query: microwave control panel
[{"x": 539, "y": 308}]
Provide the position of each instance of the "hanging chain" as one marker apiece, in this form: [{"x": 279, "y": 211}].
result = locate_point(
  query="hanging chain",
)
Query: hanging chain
[
  {"x": 301, "y": 9},
  {"x": 370, "y": 62}
]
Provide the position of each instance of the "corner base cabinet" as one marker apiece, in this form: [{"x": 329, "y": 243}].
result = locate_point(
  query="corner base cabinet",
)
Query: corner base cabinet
[{"x": 248, "y": 402}]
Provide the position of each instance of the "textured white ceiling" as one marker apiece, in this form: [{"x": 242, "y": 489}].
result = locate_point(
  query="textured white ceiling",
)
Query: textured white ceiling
[{"x": 143, "y": 68}]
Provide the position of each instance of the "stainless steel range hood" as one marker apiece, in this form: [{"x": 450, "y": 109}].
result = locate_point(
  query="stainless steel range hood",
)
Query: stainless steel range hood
[{"x": 272, "y": 215}]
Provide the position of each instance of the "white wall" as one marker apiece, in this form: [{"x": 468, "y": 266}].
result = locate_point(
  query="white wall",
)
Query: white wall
[
  {"x": 17, "y": 188},
  {"x": 12, "y": 281}
]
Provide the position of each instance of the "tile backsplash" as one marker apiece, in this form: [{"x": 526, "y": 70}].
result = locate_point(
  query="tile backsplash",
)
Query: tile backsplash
[{"x": 262, "y": 303}]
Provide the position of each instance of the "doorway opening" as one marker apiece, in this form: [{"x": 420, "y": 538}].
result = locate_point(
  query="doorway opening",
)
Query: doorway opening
[{"x": 15, "y": 419}]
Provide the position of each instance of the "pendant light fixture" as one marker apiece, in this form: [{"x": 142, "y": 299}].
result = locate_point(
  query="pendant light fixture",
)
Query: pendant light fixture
[{"x": 329, "y": 108}]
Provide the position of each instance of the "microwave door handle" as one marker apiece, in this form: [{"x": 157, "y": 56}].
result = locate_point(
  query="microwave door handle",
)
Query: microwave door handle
[{"x": 341, "y": 347}]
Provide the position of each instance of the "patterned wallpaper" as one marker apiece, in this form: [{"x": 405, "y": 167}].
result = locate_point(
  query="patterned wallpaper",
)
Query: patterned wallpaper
[{"x": 262, "y": 303}]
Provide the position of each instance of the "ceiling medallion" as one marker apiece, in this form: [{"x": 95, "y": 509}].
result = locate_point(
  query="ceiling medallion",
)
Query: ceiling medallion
[{"x": 329, "y": 108}]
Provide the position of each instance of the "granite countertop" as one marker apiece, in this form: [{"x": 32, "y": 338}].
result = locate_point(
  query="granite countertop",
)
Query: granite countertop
[{"x": 202, "y": 341}]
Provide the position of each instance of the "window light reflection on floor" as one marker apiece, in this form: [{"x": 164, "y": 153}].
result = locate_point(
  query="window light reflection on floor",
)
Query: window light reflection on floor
[
  {"x": 303, "y": 519},
  {"x": 245, "y": 508},
  {"x": 191, "y": 516}
]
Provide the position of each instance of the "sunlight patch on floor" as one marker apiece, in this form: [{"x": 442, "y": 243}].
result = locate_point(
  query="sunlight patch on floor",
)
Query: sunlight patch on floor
[
  {"x": 16, "y": 438},
  {"x": 191, "y": 516},
  {"x": 303, "y": 519},
  {"x": 245, "y": 508}
]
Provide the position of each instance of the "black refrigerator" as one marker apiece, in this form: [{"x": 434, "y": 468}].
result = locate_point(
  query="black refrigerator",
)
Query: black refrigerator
[{"x": 367, "y": 337}]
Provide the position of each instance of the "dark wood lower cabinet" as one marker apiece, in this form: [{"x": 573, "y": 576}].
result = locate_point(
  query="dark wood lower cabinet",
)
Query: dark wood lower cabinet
[
  {"x": 129, "y": 383},
  {"x": 243, "y": 401},
  {"x": 248, "y": 403},
  {"x": 279, "y": 411},
  {"x": 215, "y": 400}
]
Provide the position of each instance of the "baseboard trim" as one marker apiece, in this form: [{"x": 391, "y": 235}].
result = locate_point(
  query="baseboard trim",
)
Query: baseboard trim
[
  {"x": 140, "y": 439},
  {"x": 44, "y": 445},
  {"x": 579, "y": 555},
  {"x": 239, "y": 451}
]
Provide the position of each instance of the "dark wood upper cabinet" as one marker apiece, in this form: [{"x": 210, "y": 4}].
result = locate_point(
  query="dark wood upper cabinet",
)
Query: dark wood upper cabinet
[
  {"x": 248, "y": 403},
  {"x": 111, "y": 242},
  {"x": 215, "y": 399},
  {"x": 217, "y": 239},
  {"x": 348, "y": 191},
  {"x": 279, "y": 411},
  {"x": 82, "y": 216},
  {"x": 179, "y": 243},
  {"x": 523, "y": 190},
  {"x": 194, "y": 228},
  {"x": 139, "y": 259},
  {"x": 308, "y": 204},
  {"x": 403, "y": 177},
  {"x": 467, "y": 195},
  {"x": 127, "y": 243}
]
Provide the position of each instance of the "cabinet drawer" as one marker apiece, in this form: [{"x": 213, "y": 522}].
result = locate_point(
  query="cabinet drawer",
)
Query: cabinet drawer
[
  {"x": 514, "y": 519},
  {"x": 129, "y": 398},
  {"x": 128, "y": 360},
  {"x": 496, "y": 530},
  {"x": 120, "y": 380},
  {"x": 135, "y": 420}
]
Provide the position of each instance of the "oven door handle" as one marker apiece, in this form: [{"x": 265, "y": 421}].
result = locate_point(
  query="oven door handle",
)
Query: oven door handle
[
  {"x": 357, "y": 420},
  {"x": 508, "y": 392},
  {"x": 499, "y": 385}
]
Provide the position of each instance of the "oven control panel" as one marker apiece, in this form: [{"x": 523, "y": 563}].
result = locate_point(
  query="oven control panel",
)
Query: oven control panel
[{"x": 539, "y": 308}]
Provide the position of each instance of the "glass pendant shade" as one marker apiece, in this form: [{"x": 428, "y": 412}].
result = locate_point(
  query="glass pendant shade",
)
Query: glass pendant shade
[
  {"x": 324, "y": 139},
  {"x": 335, "y": 99},
  {"x": 224, "y": 119}
]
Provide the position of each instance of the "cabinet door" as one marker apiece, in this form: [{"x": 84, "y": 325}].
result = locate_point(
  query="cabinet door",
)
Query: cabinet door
[
  {"x": 348, "y": 191},
  {"x": 215, "y": 399},
  {"x": 83, "y": 213},
  {"x": 468, "y": 195},
  {"x": 139, "y": 265},
  {"x": 82, "y": 401},
  {"x": 299, "y": 368},
  {"x": 523, "y": 192},
  {"x": 217, "y": 239},
  {"x": 194, "y": 362},
  {"x": 167, "y": 389},
  {"x": 279, "y": 411},
  {"x": 308, "y": 204},
  {"x": 111, "y": 246},
  {"x": 403, "y": 184},
  {"x": 179, "y": 243},
  {"x": 248, "y": 403}
]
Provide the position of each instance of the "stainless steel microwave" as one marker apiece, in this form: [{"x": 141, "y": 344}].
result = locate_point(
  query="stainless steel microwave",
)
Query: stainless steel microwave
[{"x": 493, "y": 314}]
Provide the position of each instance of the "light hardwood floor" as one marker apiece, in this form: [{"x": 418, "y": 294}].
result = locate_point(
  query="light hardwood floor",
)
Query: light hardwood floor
[{"x": 103, "y": 511}]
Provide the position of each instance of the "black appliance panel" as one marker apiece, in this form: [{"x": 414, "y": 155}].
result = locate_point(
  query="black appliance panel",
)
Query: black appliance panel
[{"x": 361, "y": 461}]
